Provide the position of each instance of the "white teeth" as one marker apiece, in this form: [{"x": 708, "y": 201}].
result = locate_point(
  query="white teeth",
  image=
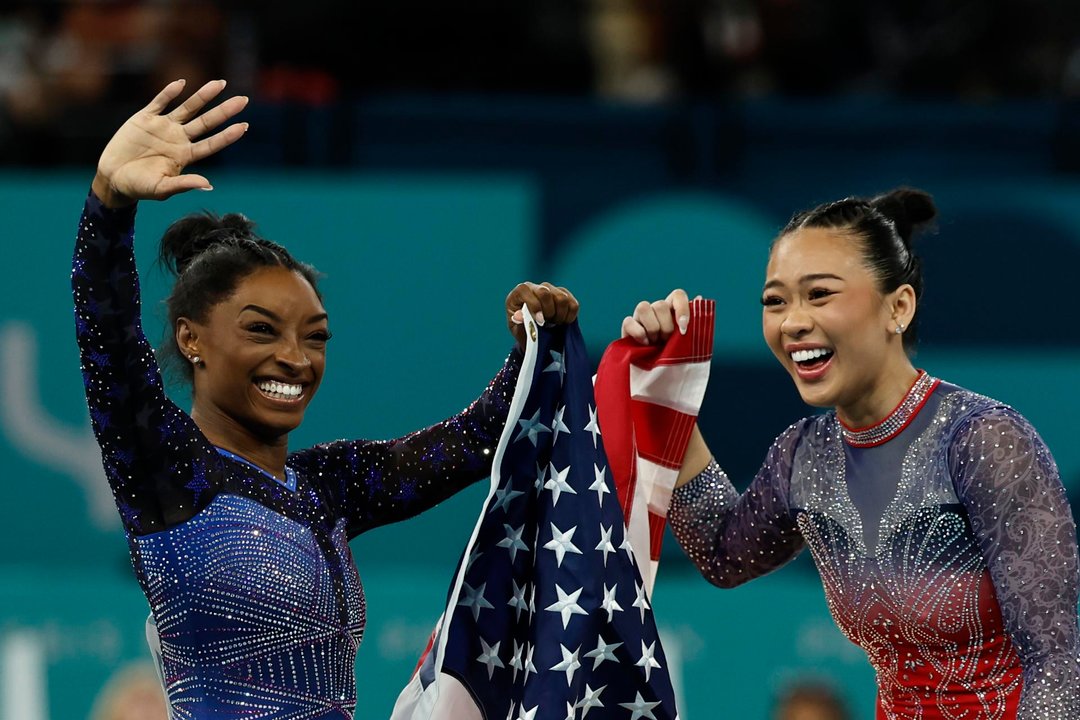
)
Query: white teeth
[
  {"x": 272, "y": 387},
  {"x": 804, "y": 355}
]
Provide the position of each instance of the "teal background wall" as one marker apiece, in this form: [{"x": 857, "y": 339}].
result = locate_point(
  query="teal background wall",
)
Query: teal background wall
[{"x": 417, "y": 264}]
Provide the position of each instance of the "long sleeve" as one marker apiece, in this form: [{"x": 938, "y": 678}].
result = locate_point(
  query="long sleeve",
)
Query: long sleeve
[
  {"x": 374, "y": 483},
  {"x": 734, "y": 538},
  {"x": 1009, "y": 484},
  {"x": 158, "y": 465}
]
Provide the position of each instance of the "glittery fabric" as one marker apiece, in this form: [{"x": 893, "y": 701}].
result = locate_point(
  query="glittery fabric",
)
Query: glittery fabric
[
  {"x": 947, "y": 553},
  {"x": 250, "y": 580}
]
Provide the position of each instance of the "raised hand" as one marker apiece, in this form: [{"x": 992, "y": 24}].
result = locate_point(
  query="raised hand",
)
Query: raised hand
[
  {"x": 547, "y": 303},
  {"x": 146, "y": 157},
  {"x": 654, "y": 322}
]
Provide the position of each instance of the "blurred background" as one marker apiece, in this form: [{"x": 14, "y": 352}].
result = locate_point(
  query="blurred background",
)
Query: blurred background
[{"x": 429, "y": 155}]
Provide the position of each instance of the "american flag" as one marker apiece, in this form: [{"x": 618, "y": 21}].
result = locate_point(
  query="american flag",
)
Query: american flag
[{"x": 548, "y": 617}]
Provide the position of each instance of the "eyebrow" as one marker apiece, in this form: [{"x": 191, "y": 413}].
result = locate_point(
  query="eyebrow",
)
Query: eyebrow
[
  {"x": 805, "y": 279},
  {"x": 277, "y": 318}
]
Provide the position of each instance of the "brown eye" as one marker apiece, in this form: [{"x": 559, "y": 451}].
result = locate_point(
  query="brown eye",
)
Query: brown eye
[
  {"x": 819, "y": 293},
  {"x": 771, "y": 300},
  {"x": 260, "y": 328}
]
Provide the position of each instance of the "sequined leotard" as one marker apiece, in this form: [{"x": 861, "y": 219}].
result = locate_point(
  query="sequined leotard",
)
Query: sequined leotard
[
  {"x": 257, "y": 602},
  {"x": 946, "y": 548}
]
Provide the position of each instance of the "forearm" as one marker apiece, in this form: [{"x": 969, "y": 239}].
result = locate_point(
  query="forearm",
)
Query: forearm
[
  {"x": 732, "y": 538},
  {"x": 697, "y": 458}
]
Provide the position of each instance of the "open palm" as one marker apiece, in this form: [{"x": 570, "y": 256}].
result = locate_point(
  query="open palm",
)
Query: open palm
[{"x": 146, "y": 157}]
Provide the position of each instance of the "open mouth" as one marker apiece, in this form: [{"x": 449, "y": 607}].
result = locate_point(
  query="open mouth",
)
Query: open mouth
[
  {"x": 282, "y": 392},
  {"x": 810, "y": 362}
]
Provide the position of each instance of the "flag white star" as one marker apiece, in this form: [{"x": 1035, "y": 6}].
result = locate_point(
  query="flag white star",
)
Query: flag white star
[
  {"x": 600, "y": 484},
  {"x": 513, "y": 541},
  {"x": 603, "y": 651},
  {"x": 518, "y": 601},
  {"x": 561, "y": 543},
  {"x": 474, "y": 599},
  {"x": 627, "y": 547},
  {"x": 531, "y": 714},
  {"x": 515, "y": 661},
  {"x": 569, "y": 664},
  {"x": 566, "y": 605},
  {"x": 557, "y": 365},
  {"x": 557, "y": 424},
  {"x": 541, "y": 476},
  {"x": 529, "y": 666},
  {"x": 591, "y": 699},
  {"x": 531, "y": 428},
  {"x": 605, "y": 545},
  {"x": 647, "y": 660},
  {"x": 640, "y": 602},
  {"x": 510, "y": 714},
  {"x": 571, "y": 711},
  {"x": 609, "y": 602},
  {"x": 532, "y": 601},
  {"x": 593, "y": 427},
  {"x": 504, "y": 496},
  {"x": 640, "y": 708},
  {"x": 557, "y": 483},
  {"x": 490, "y": 657}
]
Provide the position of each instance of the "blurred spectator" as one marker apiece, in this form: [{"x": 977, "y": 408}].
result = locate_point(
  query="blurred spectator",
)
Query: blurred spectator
[
  {"x": 69, "y": 69},
  {"x": 132, "y": 693},
  {"x": 810, "y": 701}
]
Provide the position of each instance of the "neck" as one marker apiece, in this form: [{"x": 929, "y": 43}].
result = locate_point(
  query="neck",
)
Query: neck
[
  {"x": 224, "y": 432},
  {"x": 875, "y": 403}
]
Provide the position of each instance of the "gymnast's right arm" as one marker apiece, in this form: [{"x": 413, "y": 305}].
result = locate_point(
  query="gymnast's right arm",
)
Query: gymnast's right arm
[
  {"x": 146, "y": 441},
  {"x": 731, "y": 538}
]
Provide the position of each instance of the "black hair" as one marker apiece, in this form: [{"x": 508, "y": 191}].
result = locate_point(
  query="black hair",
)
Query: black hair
[
  {"x": 884, "y": 225},
  {"x": 209, "y": 255}
]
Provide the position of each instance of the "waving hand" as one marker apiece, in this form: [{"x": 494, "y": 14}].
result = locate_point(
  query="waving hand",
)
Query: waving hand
[{"x": 146, "y": 157}]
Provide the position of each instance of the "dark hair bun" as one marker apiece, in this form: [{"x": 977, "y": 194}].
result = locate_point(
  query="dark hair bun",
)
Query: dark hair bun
[
  {"x": 908, "y": 208},
  {"x": 193, "y": 234}
]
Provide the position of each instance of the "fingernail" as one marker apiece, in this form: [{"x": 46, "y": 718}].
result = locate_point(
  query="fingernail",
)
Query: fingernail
[
  {"x": 516, "y": 318},
  {"x": 246, "y": 126},
  {"x": 207, "y": 189},
  {"x": 684, "y": 321},
  {"x": 540, "y": 318}
]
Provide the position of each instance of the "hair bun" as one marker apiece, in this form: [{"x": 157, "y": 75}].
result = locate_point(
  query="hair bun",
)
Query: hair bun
[
  {"x": 908, "y": 208},
  {"x": 192, "y": 235}
]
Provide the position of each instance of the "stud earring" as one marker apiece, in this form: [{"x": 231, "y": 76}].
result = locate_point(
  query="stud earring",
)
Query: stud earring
[
  {"x": 899, "y": 329},
  {"x": 195, "y": 360}
]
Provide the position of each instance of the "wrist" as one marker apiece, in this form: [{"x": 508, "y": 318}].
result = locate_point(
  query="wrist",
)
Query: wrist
[{"x": 108, "y": 195}]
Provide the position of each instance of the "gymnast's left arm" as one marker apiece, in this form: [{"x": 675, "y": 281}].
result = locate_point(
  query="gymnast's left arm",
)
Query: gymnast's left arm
[{"x": 1010, "y": 486}]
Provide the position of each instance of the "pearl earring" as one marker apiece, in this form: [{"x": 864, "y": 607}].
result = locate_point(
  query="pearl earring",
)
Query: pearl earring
[
  {"x": 195, "y": 360},
  {"x": 899, "y": 329}
]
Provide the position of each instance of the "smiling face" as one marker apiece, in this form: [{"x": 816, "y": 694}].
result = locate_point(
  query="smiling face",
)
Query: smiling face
[
  {"x": 263, "y": 352},
  {"x": 829, "y": 325}
]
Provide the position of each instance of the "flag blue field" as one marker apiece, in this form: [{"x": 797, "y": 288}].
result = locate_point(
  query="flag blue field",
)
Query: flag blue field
[{"x": 547, "y": 617}]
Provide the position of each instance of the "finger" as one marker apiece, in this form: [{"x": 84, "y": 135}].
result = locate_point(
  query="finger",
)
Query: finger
[
  {"x": 665, "y": 317},
  {"x": 212, "y": 118},
  {"x": 545, "y": 295},
  {"x": 527, "y": 294},
  {"x": 645, "y": 314},
  {"x": 214, "y": 143},
  {"x": 631, "y": 328},
  {"x": 561, "y": 299},
  {"x": 569, "y": 306},
  {"x": 190, "y": 107},
  {"x": 166, "y": 96},
  {"x": 170, "y": 186},
  {"x": 680, "y": 305}
]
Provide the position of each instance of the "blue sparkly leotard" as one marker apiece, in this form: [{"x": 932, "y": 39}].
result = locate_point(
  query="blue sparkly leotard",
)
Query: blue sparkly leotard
[
  {"x": 258, "y": 605},
  {"x": 944, "y": 542}
]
